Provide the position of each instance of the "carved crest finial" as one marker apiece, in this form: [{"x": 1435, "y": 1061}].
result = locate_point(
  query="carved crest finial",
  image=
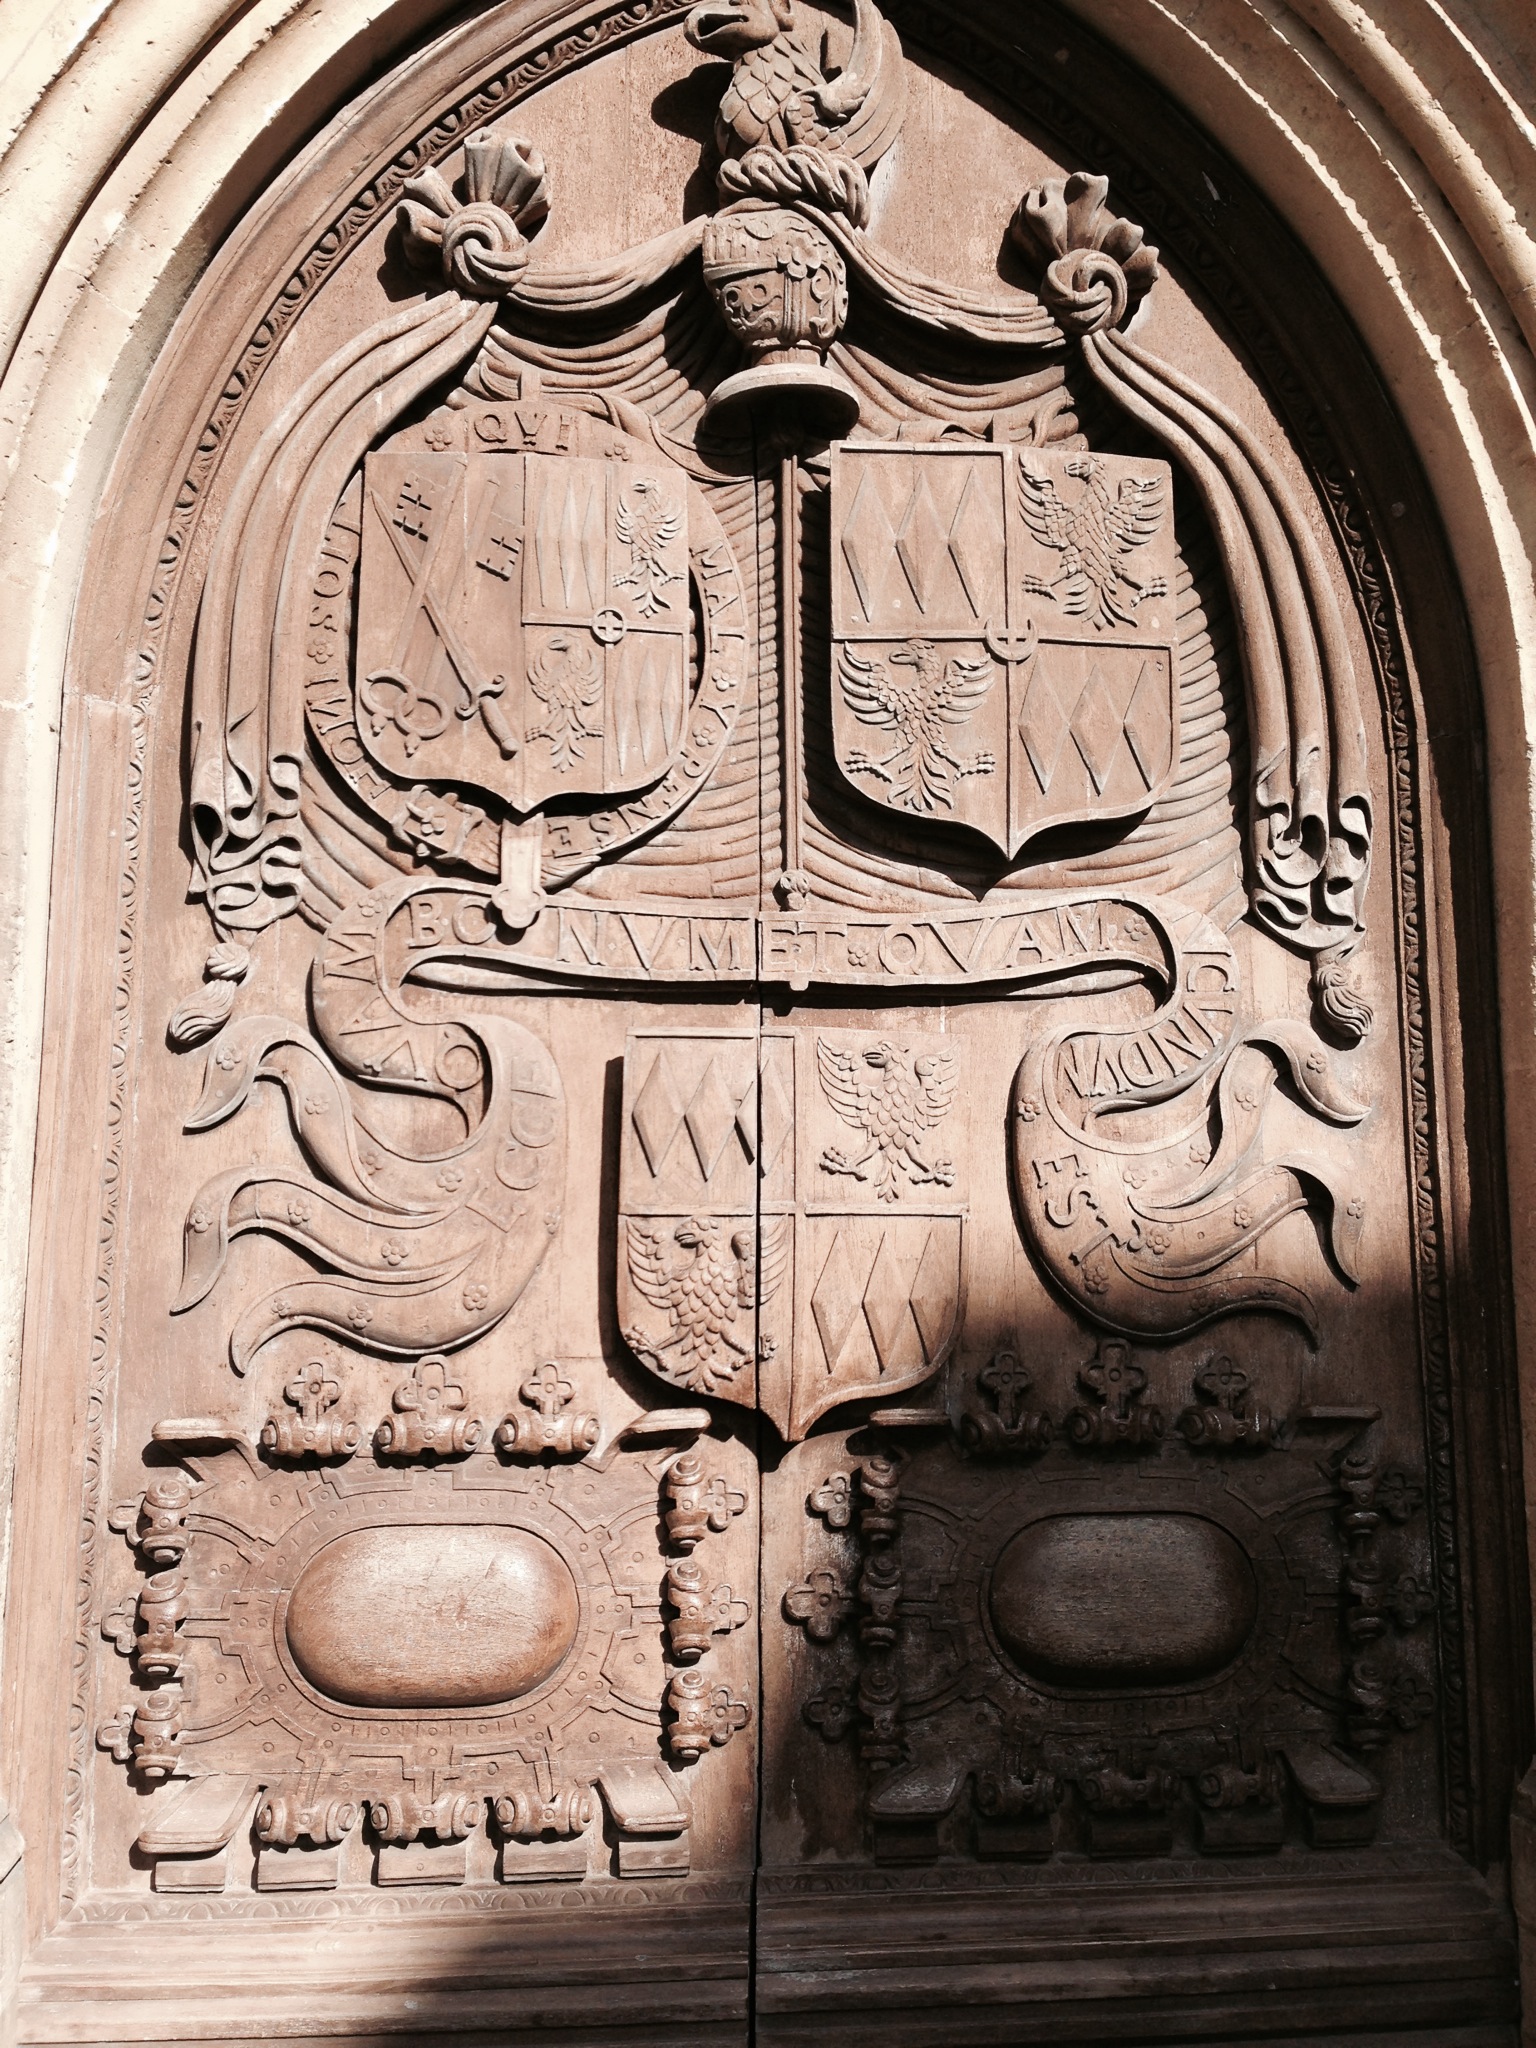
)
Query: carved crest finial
[
  {"x": 1096, "y": 267},
  {"x": 481, "y": 242},
  {"x": 782, "y": 98}
]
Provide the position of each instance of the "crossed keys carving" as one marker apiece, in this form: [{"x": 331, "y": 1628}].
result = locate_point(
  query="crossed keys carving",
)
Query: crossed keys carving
[{"x": 388, "y": 696}]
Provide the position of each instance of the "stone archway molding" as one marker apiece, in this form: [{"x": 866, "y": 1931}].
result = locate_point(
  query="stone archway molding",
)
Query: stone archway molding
[{"x": 1394, "y": 136}]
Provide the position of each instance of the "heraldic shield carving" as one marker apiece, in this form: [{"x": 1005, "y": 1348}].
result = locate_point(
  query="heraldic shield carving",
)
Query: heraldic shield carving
[
  {"x": 785, "y": 1042},
  {"x": 523, "y": 622},
  {"x": 1004, "y": 627},
  {"x": 791, "y": 1215}
]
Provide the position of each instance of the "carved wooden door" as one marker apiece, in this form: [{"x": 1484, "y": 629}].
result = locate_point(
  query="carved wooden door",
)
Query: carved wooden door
[{"x": 816, "y": 1364}]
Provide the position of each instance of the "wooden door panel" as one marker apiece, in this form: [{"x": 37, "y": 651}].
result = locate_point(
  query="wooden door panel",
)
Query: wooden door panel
[{"x": 776, "y": 1325}]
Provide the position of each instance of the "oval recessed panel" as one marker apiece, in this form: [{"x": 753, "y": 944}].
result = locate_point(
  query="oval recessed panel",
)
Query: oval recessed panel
[
  {"x": 434, "y": 1617},
  {"x": 1104, "y": 1600}
]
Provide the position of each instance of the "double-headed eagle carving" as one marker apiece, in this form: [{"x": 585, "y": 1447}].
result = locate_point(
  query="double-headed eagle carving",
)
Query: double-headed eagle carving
[
  {"x": 710, "y": 1298},
  {"x": 1093, "y": 535},
  {"x": 922, "y": 768},
  {"x": 781, "y": 95},
  {"x": 892, "y": 1100}
]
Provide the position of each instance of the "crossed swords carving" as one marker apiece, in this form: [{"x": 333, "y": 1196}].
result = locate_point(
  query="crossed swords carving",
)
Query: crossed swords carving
[{"x": 417, "y": 713}]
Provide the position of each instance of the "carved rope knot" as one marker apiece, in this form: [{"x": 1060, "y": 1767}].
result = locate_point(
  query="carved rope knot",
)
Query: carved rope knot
[
  {"x": 480, "y": 244},
  {"x": 1095, "y": 266},
  {"x": 836, "y": 184}
]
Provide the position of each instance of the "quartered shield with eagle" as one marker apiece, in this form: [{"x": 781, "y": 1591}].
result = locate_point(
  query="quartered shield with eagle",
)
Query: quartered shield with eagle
[
  {"x": 523, "y": 628},
  {"x": 792, "y": 1204},
  {"x": 1003, "y": 629}
]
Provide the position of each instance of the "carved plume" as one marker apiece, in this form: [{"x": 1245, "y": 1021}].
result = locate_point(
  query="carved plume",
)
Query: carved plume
[
  {"x": 1097, "y": 267},
  {"x": 480, "y": 243}
]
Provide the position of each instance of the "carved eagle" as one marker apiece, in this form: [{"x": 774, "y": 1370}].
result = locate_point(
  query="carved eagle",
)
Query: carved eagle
[
  {"x": 709, "y": 1298},
  {"x": 647, "y": 525},
  {"x": 781, "y": 93},
  {"x": 1093, "y": 535},
  {"x": 893, "y": 1100},
  {"x": 567, "y": 678},
  {"x": 921, "y": 769}
]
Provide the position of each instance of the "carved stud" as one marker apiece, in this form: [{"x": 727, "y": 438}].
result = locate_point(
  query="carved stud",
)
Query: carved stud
[
  {"x": 312, "y": 1431},
  {"x": 879, "y": 1497},
  {"x": 151, "y": 1634},
  {"x": 1383, "y": 1695},
  {"x": 1118, "y": 1791},
  {"x": 429, "y": 1419},
  {"x": 548, "y": 1429},
  {"x": 1129, "y": 1811},
  {"x": 157, "y": 1731},
  {"x": 1014, "y": 1809},
  {"x": 402, "y": 1818},
  {"x": 833, "y": 1711},
  {"x": 163, "y": 1607},
  {"x": 1228, "y": 1785},
  {"x": 833, "y": 1500},
  {"x": 1224, "y": 1418},
  {"x": 1239, "y": 1809},
  {"x": 698, "y": 1614},
  {"x": 115, "y": 1736},
  {"x": 162, "y": 1535},
  {"x": 1008, "y": 1425},
  {"x": 707, "y": 1715},
  {"x": 525, "y": 1814},
  {"x": 118, "y": 1626},
  {"x": 880, "y": 1741},
  {"x": 1010, "y": 1795},
  {"x": 1114, "y": 1382},
  {"x": 820, "y": 1604},
  {"x": 283, "y": 1819},
  {"x": 696, "y": 1505},
  {"x": 880, "y": 1588}
]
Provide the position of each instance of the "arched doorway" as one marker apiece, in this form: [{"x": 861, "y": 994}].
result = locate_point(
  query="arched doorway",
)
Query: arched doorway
[{"x": 833, "y": 1278}]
